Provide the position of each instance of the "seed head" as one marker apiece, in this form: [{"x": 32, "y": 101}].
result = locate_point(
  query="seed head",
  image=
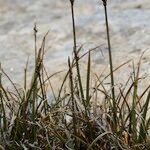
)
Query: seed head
[
  {"x": 72, "y": 2},
  {"x": 104, "y": 2}
]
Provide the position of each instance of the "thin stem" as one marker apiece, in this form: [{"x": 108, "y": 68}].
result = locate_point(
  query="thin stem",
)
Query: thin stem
[
  {"x": 74, "y": 28},
  {"x": 73, "y": 102},
  {"x": 35, "y": 41},
  {"x": 76, "y": 55},
  {"x": 110, "y": 55},
  {"x": 2, "y": 104},
  {"x": 110, "y": 62}
]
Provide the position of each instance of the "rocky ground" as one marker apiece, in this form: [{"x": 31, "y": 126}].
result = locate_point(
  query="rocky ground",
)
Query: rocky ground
[{"x": 129, "y": 28}]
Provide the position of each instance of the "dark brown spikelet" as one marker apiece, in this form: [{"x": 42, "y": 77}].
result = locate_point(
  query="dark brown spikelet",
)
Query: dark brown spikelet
[
  {"x": 104, "y": 2},
  {"x": 72, "y": 2}
]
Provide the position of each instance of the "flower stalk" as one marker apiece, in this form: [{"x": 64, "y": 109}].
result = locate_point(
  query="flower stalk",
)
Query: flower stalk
[{"x": 110, "y": 63}]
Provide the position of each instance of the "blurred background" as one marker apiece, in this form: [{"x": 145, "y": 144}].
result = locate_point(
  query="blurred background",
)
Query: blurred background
[{"x": 129, "y": 28}]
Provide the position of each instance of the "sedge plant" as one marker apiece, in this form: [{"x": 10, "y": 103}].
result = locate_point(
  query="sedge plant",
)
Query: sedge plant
[{"x": 72, "y": 118}]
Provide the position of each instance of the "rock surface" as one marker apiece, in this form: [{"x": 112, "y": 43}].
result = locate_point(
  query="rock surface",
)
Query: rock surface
[{"x": 129, "y": 29}]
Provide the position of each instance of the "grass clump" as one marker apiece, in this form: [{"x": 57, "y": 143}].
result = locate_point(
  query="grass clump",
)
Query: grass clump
[{"x": 29, "y": 119}]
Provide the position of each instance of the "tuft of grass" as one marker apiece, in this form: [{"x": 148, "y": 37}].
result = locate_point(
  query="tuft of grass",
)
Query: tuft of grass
[{"x": 73, "y": 117}]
